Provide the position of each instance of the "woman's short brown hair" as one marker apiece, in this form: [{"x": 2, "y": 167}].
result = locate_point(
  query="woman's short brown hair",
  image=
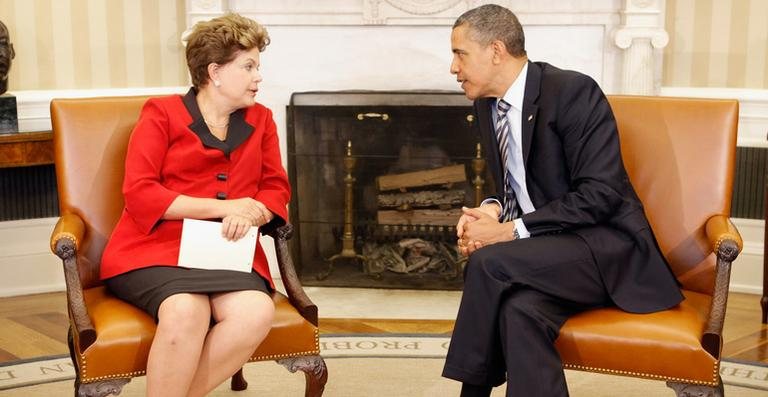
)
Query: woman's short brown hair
[{"x": 219, "y": 40}]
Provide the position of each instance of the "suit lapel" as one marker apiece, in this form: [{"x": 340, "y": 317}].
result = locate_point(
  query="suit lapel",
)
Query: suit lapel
[
  {"x": 491, "y": 144},
  {"x": 529, "y": 115},
  {"x": 532, "y": 86}
]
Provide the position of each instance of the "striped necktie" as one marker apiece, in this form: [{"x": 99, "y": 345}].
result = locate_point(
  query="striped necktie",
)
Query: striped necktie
[{"x": 509, "y": 209}]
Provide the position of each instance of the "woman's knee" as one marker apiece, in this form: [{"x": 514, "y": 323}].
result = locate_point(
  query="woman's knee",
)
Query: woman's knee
[
  {"x": 259, "y": 312},
  {"x": 252, "y": 310},
  {"x": 185, "y": 313},
  {"x": 256, "y": 316}
]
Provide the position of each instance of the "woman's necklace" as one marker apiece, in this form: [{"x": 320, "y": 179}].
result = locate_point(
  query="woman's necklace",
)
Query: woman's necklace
[{"x": 224, "y": 125}]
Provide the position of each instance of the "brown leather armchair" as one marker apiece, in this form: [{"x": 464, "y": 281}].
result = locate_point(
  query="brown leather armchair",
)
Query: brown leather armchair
[
  {"x": 680, "y": 157},
  {"x": 109, "y": 339}
]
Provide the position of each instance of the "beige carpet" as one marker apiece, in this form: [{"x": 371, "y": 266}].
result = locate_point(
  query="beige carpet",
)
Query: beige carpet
[
  {"x": 371, "y": 365},
  {"x": 382, "y": 377}
]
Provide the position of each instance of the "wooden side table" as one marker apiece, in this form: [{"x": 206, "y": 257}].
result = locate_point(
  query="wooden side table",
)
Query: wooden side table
[
  {"x": 26, "y": 149},
  {"x": 27, "y": 177}
]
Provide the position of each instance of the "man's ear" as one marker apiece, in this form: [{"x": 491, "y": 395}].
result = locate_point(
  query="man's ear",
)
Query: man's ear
[{"x": 499, "y": 51}]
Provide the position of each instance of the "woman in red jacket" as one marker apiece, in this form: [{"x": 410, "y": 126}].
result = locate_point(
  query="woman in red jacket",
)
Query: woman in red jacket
[{"x": 210, "y": 154}]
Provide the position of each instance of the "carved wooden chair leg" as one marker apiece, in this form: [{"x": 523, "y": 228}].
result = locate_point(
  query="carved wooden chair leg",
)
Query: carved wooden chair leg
[
  {"x": 689, "y": 390},
  {"x": 238, "y": 382},
  {"x": 71, "y": 344},
  {"x": 314, "y": 370},
  {"x": 103, "y": 388},
  {"x": 316, "y": 376}
]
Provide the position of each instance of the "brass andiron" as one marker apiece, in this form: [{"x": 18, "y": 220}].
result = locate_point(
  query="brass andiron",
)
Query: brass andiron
[
  {"x": 348, "y": 238},
  {"x": 478, "y": 165}
]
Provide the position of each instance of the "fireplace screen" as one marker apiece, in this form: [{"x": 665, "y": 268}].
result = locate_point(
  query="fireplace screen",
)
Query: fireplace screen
[{"x": 379, "y": 180}]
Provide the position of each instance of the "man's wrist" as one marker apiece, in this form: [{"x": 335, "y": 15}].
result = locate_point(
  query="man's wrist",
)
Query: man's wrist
[
  {"x": 509, "y": 231},
  {"x": 496, "y": 208},
  {"x": 496, "y": 205}
]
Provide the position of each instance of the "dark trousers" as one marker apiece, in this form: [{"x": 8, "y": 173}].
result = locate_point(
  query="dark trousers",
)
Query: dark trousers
[{"x": 516, "y": 297}]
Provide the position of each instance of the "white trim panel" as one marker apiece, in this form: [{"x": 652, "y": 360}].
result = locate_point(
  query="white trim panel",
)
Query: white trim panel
[
  {"x": 747, "y": 270},
  {"x": 26, "y": 262},
  {"x": 28, "y": 266}
]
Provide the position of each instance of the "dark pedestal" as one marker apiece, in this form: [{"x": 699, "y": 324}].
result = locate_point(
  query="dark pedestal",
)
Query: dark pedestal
[{"x": 9, "y": 121}]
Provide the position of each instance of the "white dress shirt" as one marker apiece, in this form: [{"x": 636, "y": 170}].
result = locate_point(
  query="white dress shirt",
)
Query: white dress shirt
[{"x": 514, "y": 96}]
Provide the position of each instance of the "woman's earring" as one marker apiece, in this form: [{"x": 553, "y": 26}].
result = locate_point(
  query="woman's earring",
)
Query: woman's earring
[{"x": 217, "y": 83}]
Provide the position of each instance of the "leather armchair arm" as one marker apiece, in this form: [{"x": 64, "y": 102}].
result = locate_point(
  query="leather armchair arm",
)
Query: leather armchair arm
[
  {"x": 725, "y": 240},
  {"x": 293, "y": 288},
  {"x": 726, "y": 244},
  {"x": 65, "y": 241},
  {"x": 70, "y": 227}
]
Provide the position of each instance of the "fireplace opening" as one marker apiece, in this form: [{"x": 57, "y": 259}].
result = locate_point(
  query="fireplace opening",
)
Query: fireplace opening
[{"x": 379, "y": 179}]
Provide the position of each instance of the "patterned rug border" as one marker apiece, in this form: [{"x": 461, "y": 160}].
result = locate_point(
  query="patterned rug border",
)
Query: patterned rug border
[
  {"x": 28, "y": 372},
  {"x": 31, "y": 360},
  {"x": 746, "y": 362}
]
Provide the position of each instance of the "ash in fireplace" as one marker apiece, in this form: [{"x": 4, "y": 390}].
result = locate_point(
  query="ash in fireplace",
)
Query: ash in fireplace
[{"x": 414, "y": 256}]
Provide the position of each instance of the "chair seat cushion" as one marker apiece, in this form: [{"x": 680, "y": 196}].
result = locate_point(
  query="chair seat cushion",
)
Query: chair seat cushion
[
  {"x": 124, "y": 335},
  {"x": 663, "y": 345}
]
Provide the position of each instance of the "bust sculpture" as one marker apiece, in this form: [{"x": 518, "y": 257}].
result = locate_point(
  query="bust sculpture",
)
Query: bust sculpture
[{"x": 6, "y": 55}]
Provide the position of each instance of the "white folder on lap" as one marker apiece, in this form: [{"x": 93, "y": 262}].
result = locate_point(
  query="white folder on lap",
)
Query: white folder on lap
[{"x": 203, "y": 247}]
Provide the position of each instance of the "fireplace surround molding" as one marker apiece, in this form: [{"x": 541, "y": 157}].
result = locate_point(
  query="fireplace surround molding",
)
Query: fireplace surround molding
[{"x": 617, "y": 42}]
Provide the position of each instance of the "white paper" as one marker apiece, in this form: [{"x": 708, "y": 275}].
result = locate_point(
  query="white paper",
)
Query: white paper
[{"x": 203, "y": 247}]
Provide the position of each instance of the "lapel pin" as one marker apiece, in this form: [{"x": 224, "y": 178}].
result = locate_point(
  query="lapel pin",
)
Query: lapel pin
[{"x": 530, "y": 117}]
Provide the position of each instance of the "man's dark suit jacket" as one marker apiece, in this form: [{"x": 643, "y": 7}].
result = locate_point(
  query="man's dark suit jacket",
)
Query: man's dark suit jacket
[{"x": 577, "y": 182}]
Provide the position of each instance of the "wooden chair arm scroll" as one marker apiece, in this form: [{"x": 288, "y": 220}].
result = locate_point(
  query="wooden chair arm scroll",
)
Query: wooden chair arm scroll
[
  {"x": 65, "y": 241},
  {"x": 293, "y": 287},
  {"x": 724, "y": 238},
  {"x": 726, "y": 243}
]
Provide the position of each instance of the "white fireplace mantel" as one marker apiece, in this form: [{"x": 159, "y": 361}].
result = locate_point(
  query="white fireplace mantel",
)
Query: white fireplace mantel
[
  {"x": 311, "y": 36},
  {"x": 405, "y": 44}
]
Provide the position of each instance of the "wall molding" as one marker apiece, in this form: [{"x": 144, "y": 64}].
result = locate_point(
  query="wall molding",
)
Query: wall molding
[
  {"x": 26, "y": 262},
  {"x": 34, "y": 106},
  {"x": 29, "y": 267},
  {"x": 401, "y": 12},
  {"x": 747, "y": 269}
]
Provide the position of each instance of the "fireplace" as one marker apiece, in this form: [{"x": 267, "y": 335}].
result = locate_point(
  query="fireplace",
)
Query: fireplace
[{"x": 378, "y": 182}]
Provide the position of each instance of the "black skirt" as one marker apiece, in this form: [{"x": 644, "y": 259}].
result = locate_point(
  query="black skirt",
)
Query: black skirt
[{"x": 147, "y": 288}]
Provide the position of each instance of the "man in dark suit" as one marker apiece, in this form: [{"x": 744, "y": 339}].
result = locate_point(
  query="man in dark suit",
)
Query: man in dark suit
[{"x": 565, "y": 232}]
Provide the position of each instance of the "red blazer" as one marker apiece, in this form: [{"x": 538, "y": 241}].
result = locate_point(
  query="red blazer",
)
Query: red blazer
[{"x": 172, "y": 152}]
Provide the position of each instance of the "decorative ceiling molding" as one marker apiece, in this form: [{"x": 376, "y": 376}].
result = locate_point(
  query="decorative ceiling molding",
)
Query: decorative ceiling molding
[
  {"x": 421, "y": 7},
  {"x": 429, "y": 12},
  {"x": 404, "y": 12}
]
